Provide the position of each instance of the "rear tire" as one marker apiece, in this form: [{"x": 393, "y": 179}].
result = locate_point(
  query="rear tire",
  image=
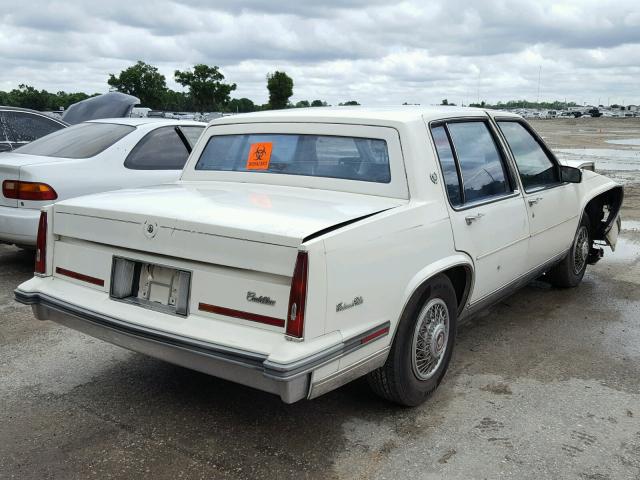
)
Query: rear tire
[
  {"x": 569, "y": 272},
  {"x": 422, "y": 348}
]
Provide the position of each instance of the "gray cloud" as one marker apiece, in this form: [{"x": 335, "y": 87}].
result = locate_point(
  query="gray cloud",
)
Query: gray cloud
[{"x": 369, "y": 50}]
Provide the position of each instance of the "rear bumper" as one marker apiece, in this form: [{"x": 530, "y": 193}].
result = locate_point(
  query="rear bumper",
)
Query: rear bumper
[
  {"x": 291, "y": 381},
  {"x": 19, "y": 225},
  {"x": 238, "y": 366}
]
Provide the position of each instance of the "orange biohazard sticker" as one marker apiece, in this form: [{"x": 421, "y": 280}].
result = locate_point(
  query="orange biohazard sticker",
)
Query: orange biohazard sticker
[{"x": 259, "y": 156}]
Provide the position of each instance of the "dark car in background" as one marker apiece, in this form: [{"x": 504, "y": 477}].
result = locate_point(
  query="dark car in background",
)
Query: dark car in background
[{"x": 19, "y": 126}]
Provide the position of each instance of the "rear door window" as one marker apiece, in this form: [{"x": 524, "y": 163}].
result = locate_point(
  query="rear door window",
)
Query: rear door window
[
  {"x": 481, "y": 164},
  {"x": 25, "y": 127},
  {"x": 448, "y": 163},
  {"x": 161, "y": 149},
  {"x": 473, "y": 165},
  {"x": 4, "y": 141}
]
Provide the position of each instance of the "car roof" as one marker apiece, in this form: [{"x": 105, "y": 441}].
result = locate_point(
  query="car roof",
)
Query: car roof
[
  {"x": 7, "y": 108},
  {"x": 397, "y": 114},
  {"x": 137, "y": 121},
  {"x": 19, "y": 109}
]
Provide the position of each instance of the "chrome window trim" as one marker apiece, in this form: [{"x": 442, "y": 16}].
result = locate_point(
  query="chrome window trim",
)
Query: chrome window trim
[{"x": 513, "y": 180}]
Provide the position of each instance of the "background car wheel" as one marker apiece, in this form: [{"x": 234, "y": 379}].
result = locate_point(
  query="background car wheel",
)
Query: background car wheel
[
  {"x": 422, "y": 347},
  {"x": 569, "y": 272}
]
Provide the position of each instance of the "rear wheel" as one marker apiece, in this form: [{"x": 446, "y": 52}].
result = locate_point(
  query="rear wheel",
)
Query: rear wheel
[
  {"x": 569, "y": 272},
  {"x": 422, "y": 348}
]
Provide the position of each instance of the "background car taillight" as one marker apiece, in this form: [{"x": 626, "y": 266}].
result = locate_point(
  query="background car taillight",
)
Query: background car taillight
[
  {"x": 35, "y": 191},
  {"x": 298, "y": 297},
  {"x": 41, "y": 245}
]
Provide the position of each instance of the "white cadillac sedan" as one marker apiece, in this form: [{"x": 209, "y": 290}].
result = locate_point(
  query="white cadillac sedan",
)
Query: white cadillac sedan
[
  {"x": 304, "y": 248},
  {"x": 90, "y": 157}
]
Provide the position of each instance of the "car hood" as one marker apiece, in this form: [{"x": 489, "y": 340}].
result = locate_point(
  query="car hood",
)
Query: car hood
[{"x": 108, "y": 105}]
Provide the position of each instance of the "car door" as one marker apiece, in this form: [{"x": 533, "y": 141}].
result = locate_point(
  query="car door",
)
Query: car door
[
  {"x": 553, "y": 206},
  {"x": 486, "y": 208}
]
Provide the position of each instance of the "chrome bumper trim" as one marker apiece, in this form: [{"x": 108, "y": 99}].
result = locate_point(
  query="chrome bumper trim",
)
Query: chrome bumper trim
[{"x": 291, "y": 381}]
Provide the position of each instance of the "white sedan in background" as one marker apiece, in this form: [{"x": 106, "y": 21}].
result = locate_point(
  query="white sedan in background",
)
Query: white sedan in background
[{"x": 90, "y": 157}]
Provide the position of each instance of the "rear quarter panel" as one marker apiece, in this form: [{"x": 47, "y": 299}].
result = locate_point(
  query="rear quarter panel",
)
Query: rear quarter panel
[
  {"x": 382, "y": 261},
  {"x": 103, "y": 172}
]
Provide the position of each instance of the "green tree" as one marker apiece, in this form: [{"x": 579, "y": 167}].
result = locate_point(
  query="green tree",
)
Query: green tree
[
  {"x": 206, "y": 87},
  {"x": 280, "y": 86},
  {"x": 319, "y": 103},
  {"x": 26, "y": 96},
  {"x": 176, "y": 101},
  {"x": 349, "y": 103},
  {"x": 143, "y": 81},
  {"x": 241, "y": 105},
  {"x": 303, "y": 104}
]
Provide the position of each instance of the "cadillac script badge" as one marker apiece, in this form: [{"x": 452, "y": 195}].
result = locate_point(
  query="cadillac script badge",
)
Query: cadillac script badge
[
  {"x": 347, "y": 305},
  {"x": 254, "y": 297}
]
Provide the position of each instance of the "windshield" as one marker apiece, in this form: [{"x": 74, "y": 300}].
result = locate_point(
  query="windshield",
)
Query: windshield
[
  {"x": 350, "y": 158},
  {"x": 79, "y": 141}
]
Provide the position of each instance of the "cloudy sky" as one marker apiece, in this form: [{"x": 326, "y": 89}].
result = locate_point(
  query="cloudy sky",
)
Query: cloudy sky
[{"x": 376, "y": 52}]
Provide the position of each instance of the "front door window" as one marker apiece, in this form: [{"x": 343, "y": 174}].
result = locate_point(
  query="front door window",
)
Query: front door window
[{"x": 536, "y": 169}]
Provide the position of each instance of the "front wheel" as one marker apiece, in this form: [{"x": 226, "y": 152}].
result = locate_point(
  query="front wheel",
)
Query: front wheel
[
  {"x": 422, "y": 348},
  {"x": 569, "y": 272}
]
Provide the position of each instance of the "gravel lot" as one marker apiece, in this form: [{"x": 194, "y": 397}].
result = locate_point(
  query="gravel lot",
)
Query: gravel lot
[{"x": 544, "y": 385}]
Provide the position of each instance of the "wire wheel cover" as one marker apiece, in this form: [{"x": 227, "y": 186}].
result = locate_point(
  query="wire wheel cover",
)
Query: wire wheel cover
[
  {"x": 580, "y": 250},
  {"x": 430, "y": 339}
]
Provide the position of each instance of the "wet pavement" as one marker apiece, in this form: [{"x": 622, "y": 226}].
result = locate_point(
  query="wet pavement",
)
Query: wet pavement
[
  {"x": 543, "y": 385},
  {"x": 546, "y": 384}
]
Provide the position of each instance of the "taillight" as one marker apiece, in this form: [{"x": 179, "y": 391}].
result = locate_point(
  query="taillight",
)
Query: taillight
[
  {"x": 41, "y": 245},
  {"x": 18, "y": 190},
  {"x": 298, "y": 297}
]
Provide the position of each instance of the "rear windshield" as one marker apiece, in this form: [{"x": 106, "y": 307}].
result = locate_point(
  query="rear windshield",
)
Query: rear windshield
[
  {"x": 350, "y": 158},
  {"x": 79, "y": 141}
]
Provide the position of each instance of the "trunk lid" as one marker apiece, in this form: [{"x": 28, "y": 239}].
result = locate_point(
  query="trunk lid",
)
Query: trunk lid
[
  {"x": 274, "y": 215},
  {"x": 239, "y": 241}
]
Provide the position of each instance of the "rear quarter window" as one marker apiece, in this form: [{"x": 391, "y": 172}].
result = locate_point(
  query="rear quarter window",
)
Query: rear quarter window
[{"x": 163, "y": 149}]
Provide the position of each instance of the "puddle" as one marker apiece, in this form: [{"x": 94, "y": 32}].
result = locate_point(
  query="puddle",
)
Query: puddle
[
  {"x": 625, "y": 141},
  {"x": 631, "y": 225},
  {"x": 627, "y": 251},
  {"x": 604, "y": 158}
]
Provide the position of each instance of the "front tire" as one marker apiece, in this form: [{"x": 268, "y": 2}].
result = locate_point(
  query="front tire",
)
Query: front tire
[
  {"x": 569, "y": 272},
  {"x": 422, "y": 348}
]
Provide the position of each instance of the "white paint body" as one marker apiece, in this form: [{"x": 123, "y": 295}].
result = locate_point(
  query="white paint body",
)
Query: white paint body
[
  {"x": 75, "y": 177},
  {"x": 240, "y": 232}
]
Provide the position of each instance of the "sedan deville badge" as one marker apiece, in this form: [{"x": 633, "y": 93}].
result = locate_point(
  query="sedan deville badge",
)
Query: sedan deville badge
[
  {"x": 253, "y": 297},
  {"x": 345, "y": 306}
]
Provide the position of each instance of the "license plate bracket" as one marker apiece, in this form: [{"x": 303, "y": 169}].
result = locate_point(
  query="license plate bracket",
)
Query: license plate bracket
[{"x": 150, "y": 285}]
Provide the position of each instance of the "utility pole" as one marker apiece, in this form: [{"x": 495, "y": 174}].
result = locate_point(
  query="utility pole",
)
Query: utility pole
[{"x": 539, "y": 73}]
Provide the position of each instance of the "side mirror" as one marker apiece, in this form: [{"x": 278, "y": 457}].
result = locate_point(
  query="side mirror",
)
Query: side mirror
[{"x": 570, "y": 174}]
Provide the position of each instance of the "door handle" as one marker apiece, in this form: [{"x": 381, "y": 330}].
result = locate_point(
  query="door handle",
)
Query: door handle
[
  {"x": 472, "y": 218},
  {"x": 534, "y": 201}
]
